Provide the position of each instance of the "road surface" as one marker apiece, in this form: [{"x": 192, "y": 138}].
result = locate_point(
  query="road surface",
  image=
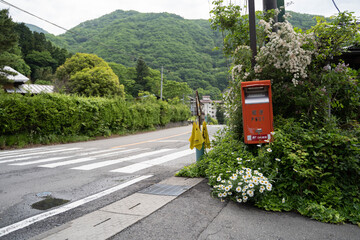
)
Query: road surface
[{"x": 90, "y": 175}]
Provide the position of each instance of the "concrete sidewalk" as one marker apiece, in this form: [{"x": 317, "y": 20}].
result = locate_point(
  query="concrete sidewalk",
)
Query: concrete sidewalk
[{"x": 187, "y": 211}]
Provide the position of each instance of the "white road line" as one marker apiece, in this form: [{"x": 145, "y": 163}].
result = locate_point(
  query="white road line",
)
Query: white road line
[
  {"x": 150, "y": 163},
  {"x": 17, "y": 151},
  {"x": 111, "y": 162},
  {"x": 37, "y": 153},
  {"x": 16, "y": 160},
  {"x": 96, "y": 152},
  {"x": 80, "y": 160},
  {"x": 55, "y": 158},
  {"x": 26, "y": 222},
  {"x": 40, "y": 161}
]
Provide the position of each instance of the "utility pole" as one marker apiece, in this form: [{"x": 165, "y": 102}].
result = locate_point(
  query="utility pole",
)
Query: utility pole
[
  {"x": 270, "y": 5},
  {"x": 252, "y": 29},
  {"x": 275, "y": 4},
  {"x": 161, "y": 87},
  {"x": 281, "y": 7}
]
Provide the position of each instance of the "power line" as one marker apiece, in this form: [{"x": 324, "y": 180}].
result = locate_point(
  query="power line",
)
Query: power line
[
  {"x": 336, "y": 5},
  {"x": 67, "y": 30},
  {"x": 11, "y": 5}
]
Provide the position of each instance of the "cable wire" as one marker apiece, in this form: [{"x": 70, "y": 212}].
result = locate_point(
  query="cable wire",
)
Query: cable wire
[
  {"x": 11, "y": 5},
  {"x": 336, "y": 5},
  {"x": 67, "y": 30}
]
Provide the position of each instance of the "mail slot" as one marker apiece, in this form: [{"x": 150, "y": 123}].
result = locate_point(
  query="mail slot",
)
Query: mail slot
[{"x": 257, "y": 111}]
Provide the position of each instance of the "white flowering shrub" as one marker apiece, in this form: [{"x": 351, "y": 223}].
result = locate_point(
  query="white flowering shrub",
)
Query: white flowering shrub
[
  {"x": 286, "y": 50},
  {"x": 241, "y": 185}
]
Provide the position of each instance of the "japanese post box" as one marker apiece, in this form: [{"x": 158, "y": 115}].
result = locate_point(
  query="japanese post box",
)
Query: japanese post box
[{"x": 257, "y": 111}]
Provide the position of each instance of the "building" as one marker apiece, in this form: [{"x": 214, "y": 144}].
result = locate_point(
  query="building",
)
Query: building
[
  {"x": 208, "y": 106},
  {"x": 19, "y": 85}
]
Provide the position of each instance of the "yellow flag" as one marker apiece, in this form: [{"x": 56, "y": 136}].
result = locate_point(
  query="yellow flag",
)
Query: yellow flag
[
  {"x": 196, "y": 139},
  {"x": 205, "y": 135}
]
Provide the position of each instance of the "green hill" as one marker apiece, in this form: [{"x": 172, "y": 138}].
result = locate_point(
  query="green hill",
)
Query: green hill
[
  {"x": 183, "y": 47},
  {"x": 303, "y": 20},
  {"x": 34, "y": 28}
]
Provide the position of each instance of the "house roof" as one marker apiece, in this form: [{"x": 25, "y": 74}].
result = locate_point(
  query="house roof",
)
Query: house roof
[
  {"x": 32, "y": 88},
  {"x": 16, "y": 78}
]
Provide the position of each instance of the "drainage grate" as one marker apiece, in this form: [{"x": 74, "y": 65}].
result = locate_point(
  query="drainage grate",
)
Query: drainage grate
[{"x": 163, "y": 189}]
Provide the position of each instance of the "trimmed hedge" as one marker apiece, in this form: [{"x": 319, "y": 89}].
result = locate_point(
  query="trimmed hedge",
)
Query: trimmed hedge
[{"x": 57, "y": 114}]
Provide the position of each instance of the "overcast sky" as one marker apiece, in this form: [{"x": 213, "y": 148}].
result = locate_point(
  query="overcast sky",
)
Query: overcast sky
[{"x": 69, "y": 13}]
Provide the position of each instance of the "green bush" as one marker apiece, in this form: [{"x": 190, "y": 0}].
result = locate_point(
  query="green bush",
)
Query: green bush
[
  {"x": 45, "y": 115},
  {"x": 313, "y": 171}
]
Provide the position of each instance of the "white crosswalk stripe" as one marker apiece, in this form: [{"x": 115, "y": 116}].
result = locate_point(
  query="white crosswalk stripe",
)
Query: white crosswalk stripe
[
  {"x": 43, "y": 152},
  {"x": 54, "y": 159},
  {"x": 39, "y": 161},
  {"x": 100, "y": 158},
  {"x": 150, "y": 163},
  {"x": 80, "y": 160},
  {"x": 111, "y": 162},
  {"x": 17, "y": 151},
  {"x": 16, "y": 160}
]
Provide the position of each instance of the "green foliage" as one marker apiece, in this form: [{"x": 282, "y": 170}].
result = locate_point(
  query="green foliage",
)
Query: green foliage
[
  {"x": 152, "y": 82},
  {"x": 54, "y": 117},
  {"x": 142, "y": 71},
  {"x": 97, "y": 81},
  {"x": 302, "y": 20},
  {"x": 312, "y": 171},
  {"x": 88, "y": 75},
  {"x": 173, "y": 89},
  {"x": 191, "y": 171},
  {"x": 8, "y": 37},
  {"x": 183, "y": 47},
  {"x": 220, "y": 115},
  {"x": 333, "y": 37},
  {"x": 211, "y": 121},
  {"x": 313, "y": 161},
  {"x": 39, "y": 53},
  {"x": 16, "y": 62},
  {"x": 8, "y": 40}
]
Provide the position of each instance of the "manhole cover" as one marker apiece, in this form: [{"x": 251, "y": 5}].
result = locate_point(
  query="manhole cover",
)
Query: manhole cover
[{"x": 168, "y": 190}]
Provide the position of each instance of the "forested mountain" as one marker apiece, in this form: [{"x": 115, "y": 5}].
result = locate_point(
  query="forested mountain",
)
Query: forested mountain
[
  {"x": 34, "y": 28},
  {"x": 183, "y": 47},
  {"x": 303, "y": 20}
]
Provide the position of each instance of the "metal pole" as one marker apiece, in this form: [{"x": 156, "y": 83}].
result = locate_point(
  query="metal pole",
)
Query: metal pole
[
  {"x": 281, "y": 7},
  {"x": 161, "y": 87},
  {"x": 252, "y": 29},
  {"x": 269, "y": 4}
]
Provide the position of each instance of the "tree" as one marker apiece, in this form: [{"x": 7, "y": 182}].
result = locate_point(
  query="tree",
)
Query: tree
[
  {"x": 88, "y": 75},
  {"x": 26, "y": 38},
  {"x": 41, "y": 63},
  {"x": 142, "y": 71},
  {"x": 8, "y": 40},
  {"x": 173, "y": 89},
  {"x": 220, "y": 115},
  {"x": 97, "y": 81}
]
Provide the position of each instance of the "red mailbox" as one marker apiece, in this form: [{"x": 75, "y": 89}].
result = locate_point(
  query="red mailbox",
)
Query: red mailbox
[{"x": 257, "y": 111}]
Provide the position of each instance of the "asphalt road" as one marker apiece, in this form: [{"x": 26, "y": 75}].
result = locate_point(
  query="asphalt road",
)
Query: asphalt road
[{"x": 90, "y": 175}]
